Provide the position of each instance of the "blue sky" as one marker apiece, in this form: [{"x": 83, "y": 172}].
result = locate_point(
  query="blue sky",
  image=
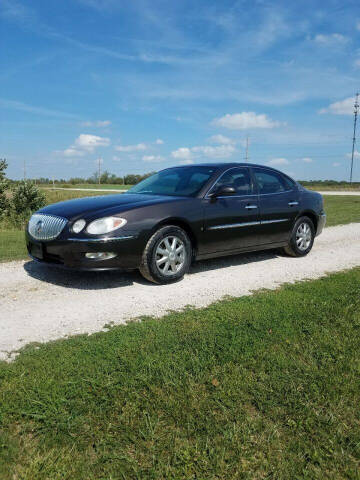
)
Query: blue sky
[{"x": 150, "y": 84}]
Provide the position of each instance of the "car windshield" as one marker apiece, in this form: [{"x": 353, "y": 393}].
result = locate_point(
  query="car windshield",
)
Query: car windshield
[{"x": 182, "y": 181}]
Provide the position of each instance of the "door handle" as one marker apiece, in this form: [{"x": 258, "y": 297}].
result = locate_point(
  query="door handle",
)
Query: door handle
[
  {"x": 251, "y": 207},
  {"x": 292, "y": 204}
]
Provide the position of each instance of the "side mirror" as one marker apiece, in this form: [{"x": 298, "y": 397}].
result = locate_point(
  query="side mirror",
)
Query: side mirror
[{"x": 224, "y": 191}]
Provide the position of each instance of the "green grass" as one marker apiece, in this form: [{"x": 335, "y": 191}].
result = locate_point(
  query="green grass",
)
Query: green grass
[
  {"x": 261, "y": 387},
  {"x": 54, "y": 196},
  {"x": 340, "y": 210},
  {"x": 328, "y": 188},
  {"x": 12, "y": 245}
]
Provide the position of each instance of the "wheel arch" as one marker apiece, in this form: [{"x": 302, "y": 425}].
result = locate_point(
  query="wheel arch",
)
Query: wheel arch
[
  {"x": 181, "y": 223},
  {"x": 312, "y": 215}
]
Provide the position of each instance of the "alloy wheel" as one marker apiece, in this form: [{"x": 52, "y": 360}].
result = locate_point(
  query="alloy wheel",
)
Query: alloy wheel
[
  {"x": 303, "y": 236},
  {"x": 170, "y": 255}
]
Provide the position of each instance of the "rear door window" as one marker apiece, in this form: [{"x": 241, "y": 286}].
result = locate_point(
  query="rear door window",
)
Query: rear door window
[{"x": 270, "y": 182}]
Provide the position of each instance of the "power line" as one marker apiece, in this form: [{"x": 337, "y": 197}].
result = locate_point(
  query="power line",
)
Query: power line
[
  {"x": 356, "y": 111},
  {"x": 99, "y": 169},
  {"x": 247, "y": 149}
]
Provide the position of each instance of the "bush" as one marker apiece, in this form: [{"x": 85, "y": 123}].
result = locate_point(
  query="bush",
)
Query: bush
[
  {"x": 26, "y": 199},
  {"x": 4, "y": 185}
]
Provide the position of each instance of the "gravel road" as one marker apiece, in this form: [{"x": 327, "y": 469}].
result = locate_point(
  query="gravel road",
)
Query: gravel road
[
  {"x": 342, "y": 193},
  {"x": 39, "y": 303}
]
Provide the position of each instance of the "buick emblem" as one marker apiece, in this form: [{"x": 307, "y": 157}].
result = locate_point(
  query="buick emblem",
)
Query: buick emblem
[{"x": 39, "y": 226}]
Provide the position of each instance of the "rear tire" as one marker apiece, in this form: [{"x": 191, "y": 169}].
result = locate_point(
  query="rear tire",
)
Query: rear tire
[
  {"x": 167, "y": 255},
  {"x": 302, "y": 238}
]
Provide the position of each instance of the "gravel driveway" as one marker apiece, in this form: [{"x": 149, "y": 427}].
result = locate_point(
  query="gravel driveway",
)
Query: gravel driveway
[{"x": 39, "y": 303}]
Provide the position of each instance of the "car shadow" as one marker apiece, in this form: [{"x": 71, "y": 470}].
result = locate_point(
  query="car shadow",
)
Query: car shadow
[
  {"x": 233, "y": 260},
  {"x": 82, "y": 280},
  {"x": 116, "y": 279}
]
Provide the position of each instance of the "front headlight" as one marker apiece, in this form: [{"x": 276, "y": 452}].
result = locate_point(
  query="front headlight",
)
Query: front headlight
[{"x": 105, "y": 225}]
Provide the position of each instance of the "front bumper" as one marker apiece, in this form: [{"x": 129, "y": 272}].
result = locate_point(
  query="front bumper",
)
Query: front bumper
[
  {"x": 70, "y": 253},
  {"x": 321, "y": 223}
]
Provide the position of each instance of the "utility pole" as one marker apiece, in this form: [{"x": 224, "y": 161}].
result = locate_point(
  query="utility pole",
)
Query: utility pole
[
  {"x": 99, "y": 169},
  {"x": 247, "y": 149},
  {"x": 24, "y": 170},
  {"x": 356, "y": 111}
]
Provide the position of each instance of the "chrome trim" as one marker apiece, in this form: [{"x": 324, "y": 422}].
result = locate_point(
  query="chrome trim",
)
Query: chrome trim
[
  {"x": 291, "y": 204},
  {"x": 237, "y": 196},
  {"x": 275, "y": 193},
  {"x": 251, "y": 207},
  {"x": 107, "y": 239},
  {"x": 233, "y": 225},
  {"x": 46, "y": 227},
  {"x": 232, "y": 196},
  {"x": 265, "y": 222},
  {"x": 247, "y": 224}
]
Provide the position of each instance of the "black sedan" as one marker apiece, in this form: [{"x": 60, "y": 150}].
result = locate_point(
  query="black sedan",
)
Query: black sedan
[{"x": 176, "y": 216}]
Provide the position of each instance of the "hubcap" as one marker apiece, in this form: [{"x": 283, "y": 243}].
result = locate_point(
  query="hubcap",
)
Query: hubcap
[
  {"x": 303, "y": 236},
  {"x": 170, "y": 255}
]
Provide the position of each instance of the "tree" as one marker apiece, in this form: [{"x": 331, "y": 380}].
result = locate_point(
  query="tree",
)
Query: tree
[
  {"x": 27, "y": 198},
  {"x": 4, "y": 185}
]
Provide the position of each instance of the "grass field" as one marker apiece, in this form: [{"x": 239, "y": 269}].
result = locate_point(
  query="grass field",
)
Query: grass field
[
  {"x": 261, "y": 387},
  {"x": 354, "y": 187},
  {"x": 88, "y": 185},
  {"x": 340, "y": 210}
]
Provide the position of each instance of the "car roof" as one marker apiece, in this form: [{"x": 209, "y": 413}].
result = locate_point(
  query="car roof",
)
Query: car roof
[{"x": 223, "y": 165}]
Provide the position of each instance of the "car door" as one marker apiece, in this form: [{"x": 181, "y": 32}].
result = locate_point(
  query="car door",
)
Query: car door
[
  {"x": 278, "y": 204},
  {"x": 231, "y": 222}
]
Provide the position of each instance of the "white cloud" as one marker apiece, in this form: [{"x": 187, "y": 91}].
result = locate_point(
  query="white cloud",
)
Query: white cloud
[
  {"x": 182, "y": 153},
  {"x": 356, "y": 154},
  {"x": 153, "y": 158},
  {"x": 186, "y": 162},
  {"x": 332, "y": 39},
  {"x": 98, "y": 123},
  {"x": 131, "y": 148},
  {"x": 159, "y": 141},
  {"x": 90, "y": 142},
  {"x": 73, "y": 152},
  {"x": 83, "y": 144},
  {"x": 336, "y": 164},
  {"x": 220, "y": 151},
  {"x": 343, "y": 107},
  {"x": 307, "y": 160},
  {"x": 245, "y": 120},
  {"x": 221, "y": 139},
  {"x": 278, "y": 161}
]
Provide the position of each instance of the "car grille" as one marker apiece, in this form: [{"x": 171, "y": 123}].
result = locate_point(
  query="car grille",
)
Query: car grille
[{"x": 46, "y": 227}]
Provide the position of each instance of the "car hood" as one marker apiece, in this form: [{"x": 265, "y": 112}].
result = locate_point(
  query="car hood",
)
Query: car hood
[{"x": 117, "y": 203}]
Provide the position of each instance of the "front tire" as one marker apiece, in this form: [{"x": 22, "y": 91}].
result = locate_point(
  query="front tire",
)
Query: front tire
[
  {"x": 302, "y": 238},
  {"x": 167, "y": 255}
]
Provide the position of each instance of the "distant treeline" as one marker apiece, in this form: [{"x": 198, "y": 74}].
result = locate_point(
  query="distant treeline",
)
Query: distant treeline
[
  {"x": 328, "y": 183},
  {"x": 107, "y": 178}
]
